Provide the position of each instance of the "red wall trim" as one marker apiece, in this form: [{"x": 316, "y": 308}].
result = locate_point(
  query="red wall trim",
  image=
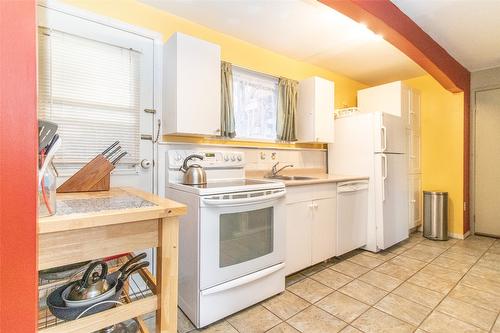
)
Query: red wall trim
[
  {"x": 18, "y": 169},
  {"x": 384, "y": 18}
]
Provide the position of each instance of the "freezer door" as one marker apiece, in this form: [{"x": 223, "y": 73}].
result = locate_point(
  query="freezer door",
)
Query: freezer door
[
  {"x": 391, "y": 197},
  {"x": 389, "y": 132}
]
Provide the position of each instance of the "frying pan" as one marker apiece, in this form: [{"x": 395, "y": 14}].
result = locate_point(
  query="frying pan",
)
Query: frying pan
[{"x": 59, "y": 309}]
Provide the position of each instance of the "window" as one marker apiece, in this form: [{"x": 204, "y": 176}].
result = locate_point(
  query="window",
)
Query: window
[
  {"x": 255, "y": 104},
  {"x": 91, "y": 90}
]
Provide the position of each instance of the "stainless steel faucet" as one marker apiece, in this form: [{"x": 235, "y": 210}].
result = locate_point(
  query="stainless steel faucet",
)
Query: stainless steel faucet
[{"x": 274, "y": 171}]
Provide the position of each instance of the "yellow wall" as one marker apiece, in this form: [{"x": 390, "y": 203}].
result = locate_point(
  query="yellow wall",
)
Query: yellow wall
[
  {"x": 234, "y": 50},
  {"x": 442, "y": 144}
]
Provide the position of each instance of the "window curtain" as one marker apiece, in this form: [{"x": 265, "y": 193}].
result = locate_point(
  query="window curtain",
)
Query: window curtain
[
  {"x": 227, "y": 106},
  {"x": 287, "y": 109}
]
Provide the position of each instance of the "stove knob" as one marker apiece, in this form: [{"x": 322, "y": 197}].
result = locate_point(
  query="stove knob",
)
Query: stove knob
[
  {"x": 233, "y": 158},
  {"x": 226, "y": 158},
  {"x": 178, "y": 157},
  {"x": 239, "y": 158}
]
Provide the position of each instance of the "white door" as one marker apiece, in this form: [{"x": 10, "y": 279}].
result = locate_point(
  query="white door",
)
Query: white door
[
  {"x": 129, "y": 171},
  {"x": 391, "y": 190},
  {"x": 487, "y": 162},
  {"x": 298, "y": 236},
  {"x": 323, "y": 229}
]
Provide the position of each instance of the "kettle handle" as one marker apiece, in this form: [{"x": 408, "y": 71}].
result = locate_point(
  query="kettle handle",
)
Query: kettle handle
[
  {"x": 184, "y": 166},
  {"x": 84, "y": 282}
]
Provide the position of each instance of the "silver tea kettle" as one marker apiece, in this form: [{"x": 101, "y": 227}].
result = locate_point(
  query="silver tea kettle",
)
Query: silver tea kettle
[
  {"x": 92, "y": 283},
  {"x": 194, "y": 174}
]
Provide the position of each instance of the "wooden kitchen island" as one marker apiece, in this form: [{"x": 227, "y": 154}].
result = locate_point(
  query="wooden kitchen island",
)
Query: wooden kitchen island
[{"x": 93, "y": 225}]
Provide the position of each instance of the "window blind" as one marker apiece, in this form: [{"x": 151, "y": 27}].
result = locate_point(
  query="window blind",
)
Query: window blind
[
  {"x": 92, "y": 91},
  {"x": 255, "y": 99}
]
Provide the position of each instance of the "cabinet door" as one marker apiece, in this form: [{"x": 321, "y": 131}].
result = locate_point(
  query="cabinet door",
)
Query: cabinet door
[
  {"x": 414, "y": 152},
  {"x": 324, "y": 111},
  {"x": 323, "y": 229},
  {"x": 298, "y": 236},
  {"x": 415, "y": 201},
  {"x": 414, "y": 119},
  {"x": 192, "y": 89}
]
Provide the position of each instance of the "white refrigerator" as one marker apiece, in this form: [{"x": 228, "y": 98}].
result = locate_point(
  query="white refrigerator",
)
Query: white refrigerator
[{"x": 374, "y": 144}]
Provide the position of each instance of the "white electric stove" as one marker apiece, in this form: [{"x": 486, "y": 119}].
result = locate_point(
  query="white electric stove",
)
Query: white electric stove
[{"x": 232, "y": 240}]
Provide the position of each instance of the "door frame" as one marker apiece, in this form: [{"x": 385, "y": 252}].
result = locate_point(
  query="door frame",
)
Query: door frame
[
  {"x": 19, "y": 166},
  {"x": 472, "y": 179},
  {"x": 157, "y": 62}
]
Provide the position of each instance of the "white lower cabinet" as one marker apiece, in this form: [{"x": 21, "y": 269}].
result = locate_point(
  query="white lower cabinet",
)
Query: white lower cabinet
[
  {"x": 311, "y": 224},
  {"x": 323, "y": 230},
  {"x": 298, "y": 236}
]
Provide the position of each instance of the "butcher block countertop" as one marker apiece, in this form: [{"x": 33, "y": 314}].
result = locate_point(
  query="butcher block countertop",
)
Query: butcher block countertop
[
  {"x": 118, "y": 205},
  {"x": 319, "y": 175}
]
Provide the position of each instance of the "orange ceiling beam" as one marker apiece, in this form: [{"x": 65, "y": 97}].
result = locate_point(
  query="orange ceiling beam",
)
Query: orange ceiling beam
[{"x": 384, "y": 18}]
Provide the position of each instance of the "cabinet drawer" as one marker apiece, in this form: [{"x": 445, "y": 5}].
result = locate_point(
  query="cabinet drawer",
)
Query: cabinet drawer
[{"x": 310, "y": 192}]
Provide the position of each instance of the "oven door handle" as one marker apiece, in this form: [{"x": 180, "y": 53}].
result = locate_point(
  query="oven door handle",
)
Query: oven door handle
[
  {"x": 243, "y": 280},
  {"x": 243, "y": 201}
]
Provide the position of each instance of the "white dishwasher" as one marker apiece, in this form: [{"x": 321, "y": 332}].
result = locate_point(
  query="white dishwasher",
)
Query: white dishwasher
[{"x": 352, "y": 215}]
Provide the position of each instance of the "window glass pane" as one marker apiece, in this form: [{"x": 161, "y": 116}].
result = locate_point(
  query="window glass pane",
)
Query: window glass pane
[
  {"x": 245, "y": 236},
  {"x": 255, "y": 104}
]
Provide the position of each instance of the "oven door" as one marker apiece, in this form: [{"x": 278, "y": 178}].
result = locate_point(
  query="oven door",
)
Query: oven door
[{"x": 240, "y": 233}]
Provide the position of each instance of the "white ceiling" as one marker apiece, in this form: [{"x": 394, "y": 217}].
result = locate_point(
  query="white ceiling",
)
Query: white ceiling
[
  {"x": 468, "y": 29},
  {"x": 305, "y": 30}
]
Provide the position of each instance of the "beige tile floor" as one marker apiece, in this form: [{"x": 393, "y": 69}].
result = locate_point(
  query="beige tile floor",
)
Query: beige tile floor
[{"x": 416, "y": 286}]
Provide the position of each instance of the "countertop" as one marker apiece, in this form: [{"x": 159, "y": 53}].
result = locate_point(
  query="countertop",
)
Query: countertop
[
  {"x": 118, "y": 205},
  {"x": 319, "y": 175}
]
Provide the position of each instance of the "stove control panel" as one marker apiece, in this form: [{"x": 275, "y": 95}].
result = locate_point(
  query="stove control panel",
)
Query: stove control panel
[{"x": 211, "y": 159}]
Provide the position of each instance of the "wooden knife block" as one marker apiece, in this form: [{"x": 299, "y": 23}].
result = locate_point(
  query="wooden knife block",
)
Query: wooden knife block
[{"x": 94, "y": 176}]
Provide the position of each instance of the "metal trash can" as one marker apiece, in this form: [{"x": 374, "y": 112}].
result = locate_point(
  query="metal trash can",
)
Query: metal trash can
[{"x": 436, "y": 215}]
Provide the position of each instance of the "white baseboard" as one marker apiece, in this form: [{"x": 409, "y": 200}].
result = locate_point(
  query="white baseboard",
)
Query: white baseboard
[{"x": 459, "y": 236}]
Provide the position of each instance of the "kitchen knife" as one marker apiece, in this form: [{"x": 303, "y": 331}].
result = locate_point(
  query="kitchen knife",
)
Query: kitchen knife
[
  {"x": 113, "y": 152},
  {"x": 116, "y": 160},
  {"x": 110, "y": 147}
]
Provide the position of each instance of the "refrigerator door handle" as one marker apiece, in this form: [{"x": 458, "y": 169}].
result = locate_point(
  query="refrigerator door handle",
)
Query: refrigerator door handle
[
  {"x": 384, "y": 174},
  {"x": 383, "y": 131}
]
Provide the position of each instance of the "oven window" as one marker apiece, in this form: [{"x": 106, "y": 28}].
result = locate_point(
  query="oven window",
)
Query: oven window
[{"x": 245, "y": 236}]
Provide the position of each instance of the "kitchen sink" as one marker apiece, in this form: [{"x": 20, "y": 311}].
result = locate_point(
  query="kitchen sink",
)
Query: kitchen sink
[{"x": 291, "y": 177}]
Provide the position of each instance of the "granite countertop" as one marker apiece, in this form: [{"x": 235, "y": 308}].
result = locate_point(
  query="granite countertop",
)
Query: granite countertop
[
  {"x": 319, "y": 176},
  {"x": 118, "y": 205},
  {"x": 93, "y": 205}
]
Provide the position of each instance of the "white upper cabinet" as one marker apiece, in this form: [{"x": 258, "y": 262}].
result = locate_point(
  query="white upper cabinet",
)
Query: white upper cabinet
[
  {"x": 390, "y": 98},
  {"x": 315, "y": 110},
  {"x": 192, "y": 86}
]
